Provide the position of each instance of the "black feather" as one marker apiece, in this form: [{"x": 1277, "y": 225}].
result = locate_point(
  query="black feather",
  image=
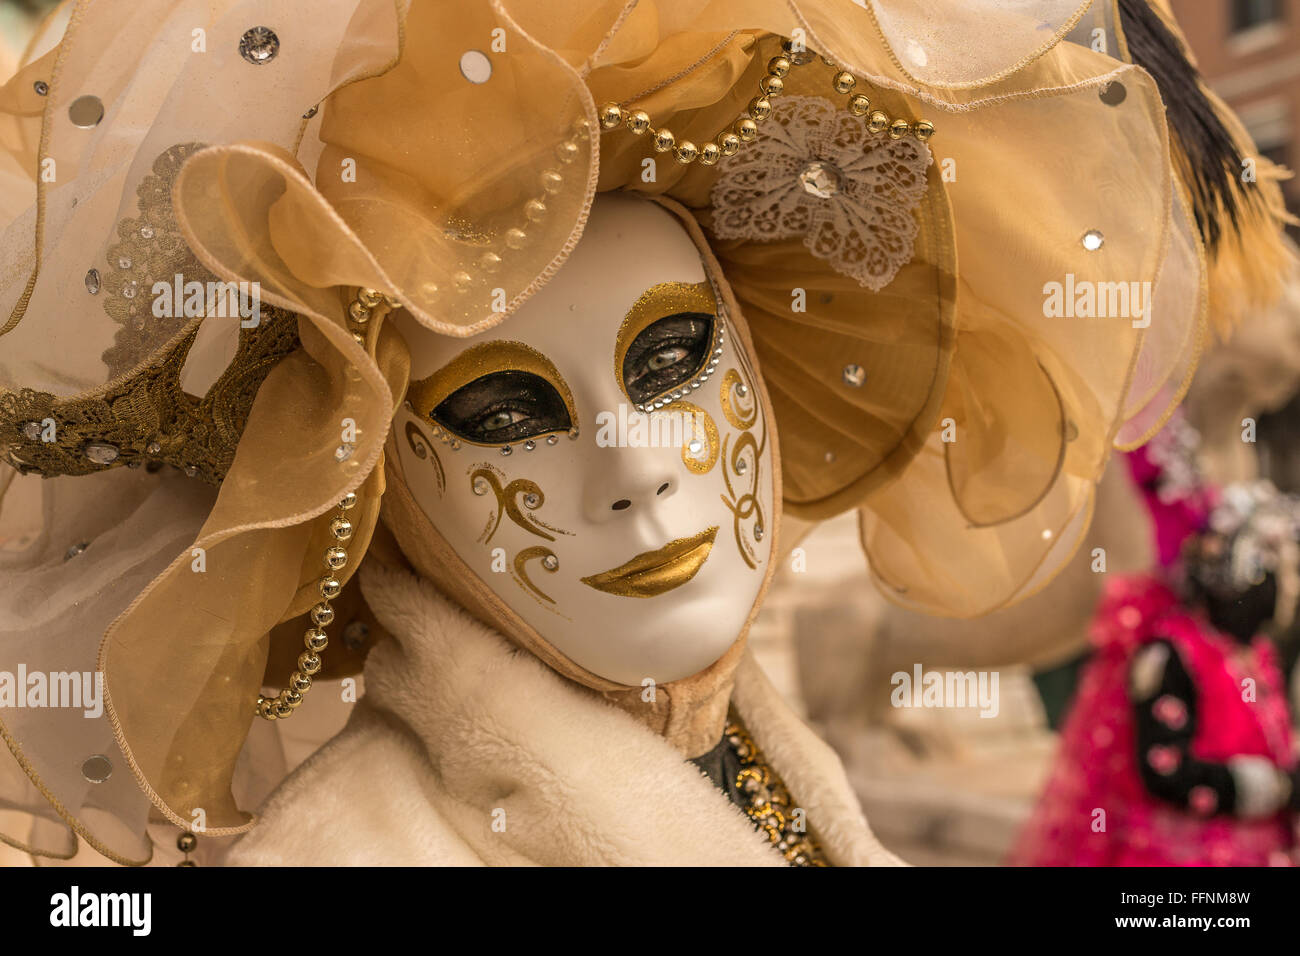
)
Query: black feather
[{"x": 1213, "y": 159}]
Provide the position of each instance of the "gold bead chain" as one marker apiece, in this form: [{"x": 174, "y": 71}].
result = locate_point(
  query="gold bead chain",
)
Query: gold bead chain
[
  {"x": 291, "y": 697},
  {"x": 745, "y": 129}
]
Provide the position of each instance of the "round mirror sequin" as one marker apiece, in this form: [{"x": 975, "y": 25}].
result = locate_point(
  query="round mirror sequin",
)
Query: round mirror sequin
[
  {"x": 259, "y": 45},
  {"x": 97, "y": 768},
  {"x": 1113, "y": 94},
  {"x": 1093, "y": 240},
  {"x": 475, "y": 66},
  {"x": 86, "y": 112}
]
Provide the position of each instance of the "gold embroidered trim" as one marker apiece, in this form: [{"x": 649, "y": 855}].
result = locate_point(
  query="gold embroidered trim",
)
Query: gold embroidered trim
[{"x": 770, "y": 807}]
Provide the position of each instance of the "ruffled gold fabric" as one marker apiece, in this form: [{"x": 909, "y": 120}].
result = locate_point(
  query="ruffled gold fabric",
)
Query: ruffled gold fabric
[{"x": 371, "y": 151}]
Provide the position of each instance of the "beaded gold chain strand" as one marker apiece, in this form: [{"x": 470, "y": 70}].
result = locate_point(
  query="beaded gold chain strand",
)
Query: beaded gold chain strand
[
  {"x": 289, "y": 699},
  {"x": 745, "y": 129}
]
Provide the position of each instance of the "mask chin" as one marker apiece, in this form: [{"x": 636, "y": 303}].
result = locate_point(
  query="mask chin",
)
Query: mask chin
[{"x": 632, "y": 547}]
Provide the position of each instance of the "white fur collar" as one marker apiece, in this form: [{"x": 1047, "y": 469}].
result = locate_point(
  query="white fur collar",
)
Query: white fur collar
[{"x": 457, "y": 725}]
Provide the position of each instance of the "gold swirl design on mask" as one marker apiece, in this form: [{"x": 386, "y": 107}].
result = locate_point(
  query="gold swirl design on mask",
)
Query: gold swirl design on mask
[
  {"x": 424, "y": 450},
  {"x": 733, "y": 406},
  {"x": 521, "y": 572},
  {"x": 508, "y": 504},
  {"x": 743, "y": 504},
  {"x": 703, "y": 429}
]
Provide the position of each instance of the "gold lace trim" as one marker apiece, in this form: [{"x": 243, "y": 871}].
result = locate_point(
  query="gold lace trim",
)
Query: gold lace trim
[{"x": 142, "y": 416}]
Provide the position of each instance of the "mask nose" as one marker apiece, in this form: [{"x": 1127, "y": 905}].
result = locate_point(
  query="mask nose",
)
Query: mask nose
[{"x": 628, "y": 493}]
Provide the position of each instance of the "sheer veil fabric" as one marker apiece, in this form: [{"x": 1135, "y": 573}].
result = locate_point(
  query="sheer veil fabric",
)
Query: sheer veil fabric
[{"x": 368, "y": 149}]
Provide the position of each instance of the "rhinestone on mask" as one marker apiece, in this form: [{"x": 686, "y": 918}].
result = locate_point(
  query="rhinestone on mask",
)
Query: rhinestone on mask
[
  {"x": 532, "y": 500},
  {"x": 481, "y": 486},
  {"x": 259, "y": 45},
  {"x": 550, "y": 562},
  {"x": 92, "y": 281},
  {"x": 854, "y": 375}
]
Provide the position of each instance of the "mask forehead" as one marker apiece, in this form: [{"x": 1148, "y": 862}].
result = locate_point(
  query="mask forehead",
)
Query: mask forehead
[{"x": 629, "y": 246}]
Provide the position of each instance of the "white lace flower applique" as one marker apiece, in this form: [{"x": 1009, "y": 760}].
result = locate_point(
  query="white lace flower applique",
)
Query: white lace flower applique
[{"x": 818, "y": 172}]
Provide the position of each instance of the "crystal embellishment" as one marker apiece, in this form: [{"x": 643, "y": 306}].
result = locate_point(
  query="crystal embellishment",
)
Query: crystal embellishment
[
  {"x": 32, "y": 431},
  {"x": 1093, "y": 240},
  {"x": 259, "y": 45},
  {"x": 100, "y": 452},
  {"x": 531, "y": 500},
  {"x": 344, "y": 451},
  {"x": 481, "y": 486},
  {"x": 854, "y": 375},
  {"x": 92, "y": 281},
  {"x": 550, "y": 562},
  {"x": 820, "y": 179}
]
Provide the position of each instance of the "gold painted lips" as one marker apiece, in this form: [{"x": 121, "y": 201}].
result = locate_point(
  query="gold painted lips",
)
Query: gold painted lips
[{"x": 655, "y": 572}]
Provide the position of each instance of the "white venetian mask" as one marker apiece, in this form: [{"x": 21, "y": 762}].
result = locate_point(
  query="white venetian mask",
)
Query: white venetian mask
[{"x": 634, "y": 543}]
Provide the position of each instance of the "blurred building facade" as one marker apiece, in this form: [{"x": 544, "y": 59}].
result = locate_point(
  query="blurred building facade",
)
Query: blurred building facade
[{"x": 1249, "y": 52}]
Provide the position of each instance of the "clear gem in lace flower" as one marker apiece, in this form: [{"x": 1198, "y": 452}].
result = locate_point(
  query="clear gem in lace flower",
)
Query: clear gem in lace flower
[
  {"x": 819, "y": 173},
  {"x": 820, "y": 179}
]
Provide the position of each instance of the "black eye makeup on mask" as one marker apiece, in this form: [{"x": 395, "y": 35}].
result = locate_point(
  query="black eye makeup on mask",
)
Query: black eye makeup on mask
[
  {"x": 496, "y": 393},
  {"x": 503, "y": 407},
  {"x": 666, "y": 354}
]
